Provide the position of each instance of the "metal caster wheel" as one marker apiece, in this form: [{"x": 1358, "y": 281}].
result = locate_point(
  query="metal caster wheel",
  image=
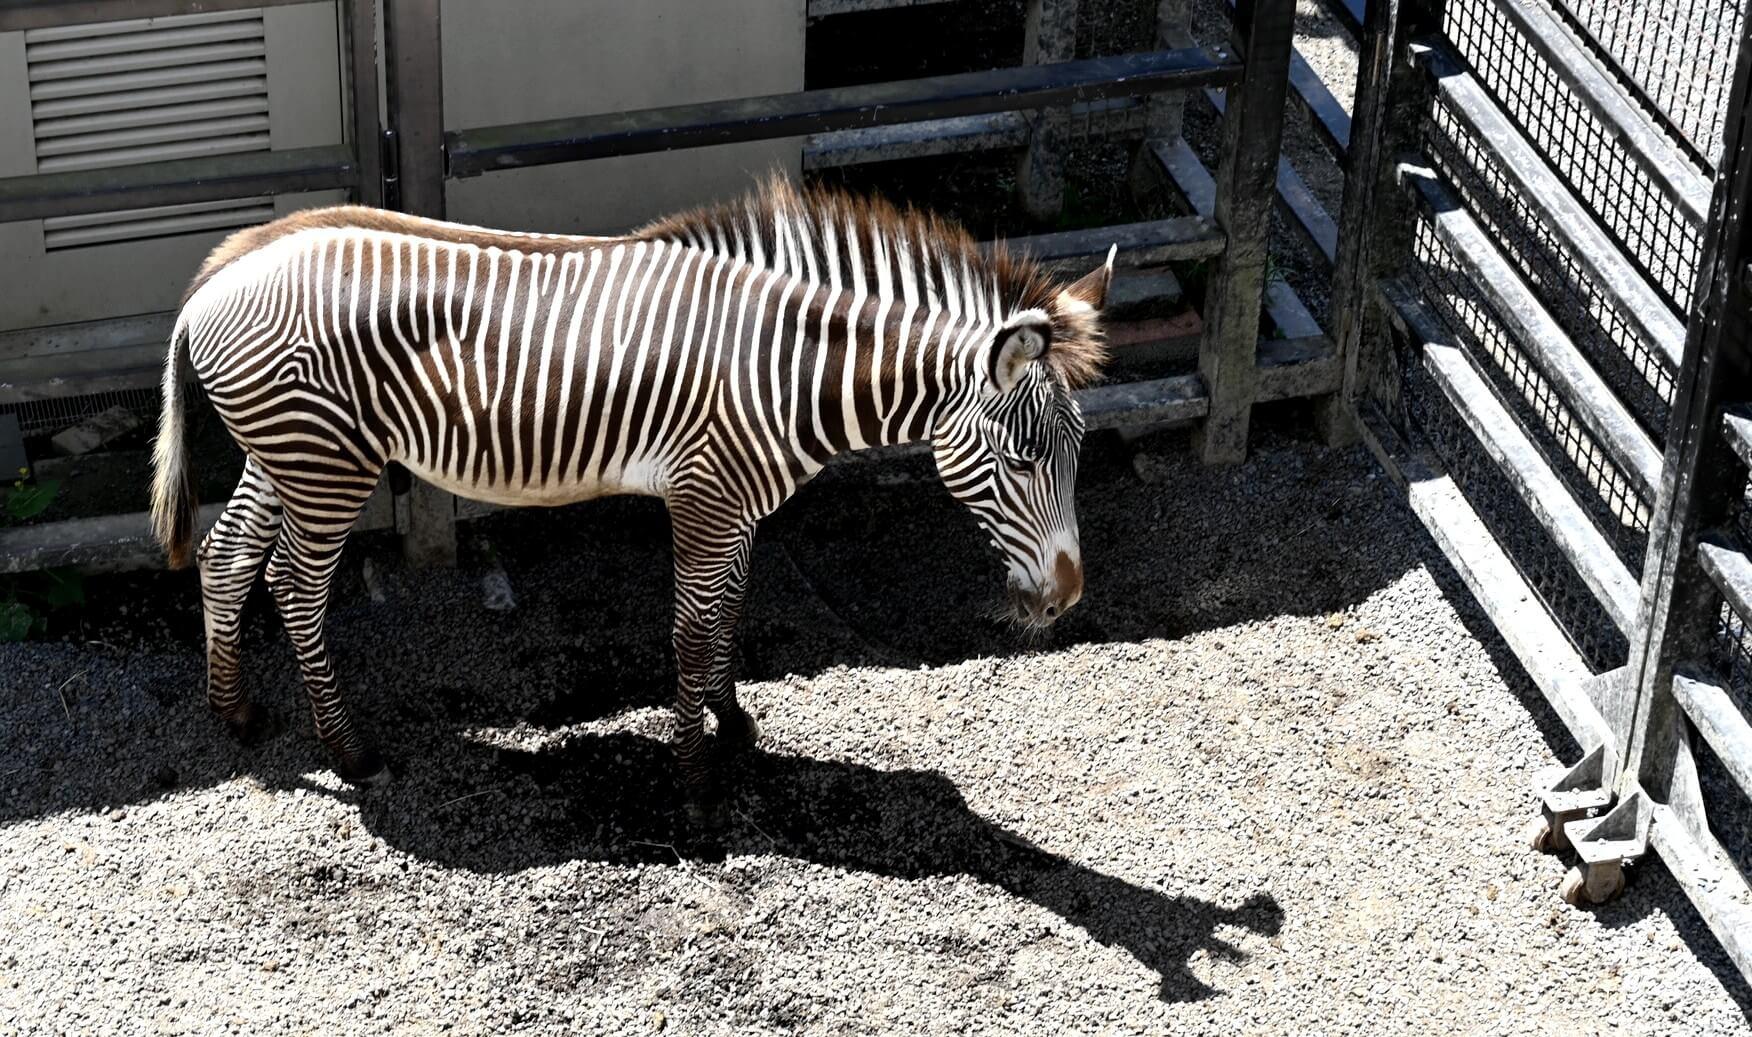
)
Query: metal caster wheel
[
  {"x": 1537, "y": 834},
  {"x": 1583, "y": 886}
]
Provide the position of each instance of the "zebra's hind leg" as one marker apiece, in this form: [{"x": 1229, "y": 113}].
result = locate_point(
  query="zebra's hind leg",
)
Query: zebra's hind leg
[
  {"x": 230, "y": 559},
  {"x": 320, "y": 512},
  {"x": 711, "y": 573}
]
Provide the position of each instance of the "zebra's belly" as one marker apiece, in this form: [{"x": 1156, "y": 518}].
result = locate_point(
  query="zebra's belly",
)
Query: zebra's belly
[{"x": 640, "y": 478}]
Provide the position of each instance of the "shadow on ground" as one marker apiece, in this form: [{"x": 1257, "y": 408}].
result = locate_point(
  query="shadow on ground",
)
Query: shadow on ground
[{"x": 871, "y": 565}]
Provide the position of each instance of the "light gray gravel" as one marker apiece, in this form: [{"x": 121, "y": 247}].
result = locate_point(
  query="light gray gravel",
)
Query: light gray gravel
[{"x": 1266, "y": 780}]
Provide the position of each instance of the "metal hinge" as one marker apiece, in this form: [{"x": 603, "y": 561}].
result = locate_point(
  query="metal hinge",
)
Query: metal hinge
[{"x": 391, "y": 165}]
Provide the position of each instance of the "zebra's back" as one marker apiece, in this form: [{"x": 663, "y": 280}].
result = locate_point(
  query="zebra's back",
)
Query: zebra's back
[{"x": 512, "y": 375}]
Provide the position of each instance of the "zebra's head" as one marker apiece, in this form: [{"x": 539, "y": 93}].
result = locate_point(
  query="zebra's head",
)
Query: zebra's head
[{"x": 1008, "y": 450}]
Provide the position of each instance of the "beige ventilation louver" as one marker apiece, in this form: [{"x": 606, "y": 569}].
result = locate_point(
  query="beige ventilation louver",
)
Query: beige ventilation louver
[{"x": 149, "y": 90}]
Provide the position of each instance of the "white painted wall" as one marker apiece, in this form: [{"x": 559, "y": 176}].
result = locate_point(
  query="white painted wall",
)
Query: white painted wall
[
  {"x": 505, "y": 61},
  {"x": 517, "y": 60}
]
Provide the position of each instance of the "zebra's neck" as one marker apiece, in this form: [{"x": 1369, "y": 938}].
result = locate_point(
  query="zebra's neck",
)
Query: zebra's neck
[{"x": 878, "y": 367}]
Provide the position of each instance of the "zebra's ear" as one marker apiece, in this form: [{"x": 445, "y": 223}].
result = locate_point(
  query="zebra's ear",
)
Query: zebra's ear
[
  {"x": 1022, "y": 340},
  {"x": 1089, "y": 292}
]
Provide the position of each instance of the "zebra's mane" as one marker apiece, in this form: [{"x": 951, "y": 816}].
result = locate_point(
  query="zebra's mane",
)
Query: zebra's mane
[{"x": 820, "y": 233}]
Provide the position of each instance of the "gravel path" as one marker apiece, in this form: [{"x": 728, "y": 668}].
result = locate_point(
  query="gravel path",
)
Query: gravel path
[{"x": 1268, "y": 779}]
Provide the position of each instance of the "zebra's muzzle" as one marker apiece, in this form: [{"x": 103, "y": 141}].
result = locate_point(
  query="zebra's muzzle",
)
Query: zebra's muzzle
[{"x": 1041, "y": 606}]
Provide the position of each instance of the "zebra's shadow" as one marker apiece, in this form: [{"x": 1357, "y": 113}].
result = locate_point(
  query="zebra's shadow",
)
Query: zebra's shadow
[{"x": 611, "y": 798}]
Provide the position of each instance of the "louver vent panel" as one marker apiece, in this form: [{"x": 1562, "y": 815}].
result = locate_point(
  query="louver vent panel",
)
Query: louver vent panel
[{"x": 149, "y": 90}]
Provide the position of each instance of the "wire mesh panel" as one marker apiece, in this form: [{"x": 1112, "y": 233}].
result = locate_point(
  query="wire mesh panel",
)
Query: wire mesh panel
[
  {"x": 1595, "y": 480},
  {"x": 47, "y": 417},
  {"x": 1577, "y": 145},
  {"x": 1677, "y": 56},
  {"x": 1634, "y": 371},
  {"x": 1510, "y": 522}
]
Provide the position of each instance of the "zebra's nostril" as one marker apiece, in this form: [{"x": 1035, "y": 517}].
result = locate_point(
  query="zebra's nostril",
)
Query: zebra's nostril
[{"x": 1052, "y": 612}]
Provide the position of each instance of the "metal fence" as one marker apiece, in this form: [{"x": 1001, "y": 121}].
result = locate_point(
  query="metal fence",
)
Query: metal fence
[
  {"x": 1542, "y": 314},
  {"x": 407, "y": 163}
]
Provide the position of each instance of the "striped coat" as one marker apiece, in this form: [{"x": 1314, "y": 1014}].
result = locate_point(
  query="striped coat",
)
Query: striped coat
[{"x": 716, "y": 359}]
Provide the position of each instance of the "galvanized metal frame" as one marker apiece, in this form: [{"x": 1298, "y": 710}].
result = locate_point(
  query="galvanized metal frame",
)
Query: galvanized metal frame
[{"x": 1636, "y": 788}]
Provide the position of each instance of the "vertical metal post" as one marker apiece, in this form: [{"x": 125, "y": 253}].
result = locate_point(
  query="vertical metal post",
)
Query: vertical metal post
[
  {"x": 359, "y": 31},
  {"x": 1246, "y": 179},
  {"x": 1377, "y": 223},
  {"x": 425, "y": 516},
  {"x": 1051, "y": 36},
  {"x": 1700, "y": 483},
  {"x": 1165, "y": 113}
]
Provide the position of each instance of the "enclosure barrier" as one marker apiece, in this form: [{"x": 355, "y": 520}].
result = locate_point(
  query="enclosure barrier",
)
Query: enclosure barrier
[
  {"x": 419, "y": 153},
  {"x": 1542, "y": 320}
]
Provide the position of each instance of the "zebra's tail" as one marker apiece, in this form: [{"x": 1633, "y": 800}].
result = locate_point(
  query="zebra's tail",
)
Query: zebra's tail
[{"x": 175, "y": 512}]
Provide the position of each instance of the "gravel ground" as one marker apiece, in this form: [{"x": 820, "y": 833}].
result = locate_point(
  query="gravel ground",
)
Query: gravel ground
[{"x": 1267, "y": 779}]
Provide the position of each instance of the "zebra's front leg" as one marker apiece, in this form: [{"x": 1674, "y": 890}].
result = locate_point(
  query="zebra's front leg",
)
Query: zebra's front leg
[{"x": 711, "y": 574}]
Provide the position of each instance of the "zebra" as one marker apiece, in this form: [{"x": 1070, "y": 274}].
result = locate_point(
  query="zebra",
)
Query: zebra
[{"x": 716, "y": 359}]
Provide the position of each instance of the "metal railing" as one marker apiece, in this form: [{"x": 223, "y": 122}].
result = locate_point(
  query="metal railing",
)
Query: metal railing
[
  {"x": 420, "y": 154},
  {"x": 1543, "y": 320}
]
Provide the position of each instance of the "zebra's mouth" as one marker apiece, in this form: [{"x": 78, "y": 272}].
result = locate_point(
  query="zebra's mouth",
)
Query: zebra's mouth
[{"x": 1028, "y": 608}]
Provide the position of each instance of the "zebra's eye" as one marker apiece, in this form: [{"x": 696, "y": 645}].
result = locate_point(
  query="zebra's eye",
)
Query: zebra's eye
[{"x": 1019, "y": 465}]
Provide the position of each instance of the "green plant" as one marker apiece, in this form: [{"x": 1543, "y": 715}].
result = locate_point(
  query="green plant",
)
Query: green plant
[{"x": 28, "y": 599}]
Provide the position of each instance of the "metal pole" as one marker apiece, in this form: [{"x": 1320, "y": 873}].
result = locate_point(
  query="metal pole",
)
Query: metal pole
[
  {"x": 1051, "y": 37},
  {"x": 425, "y": 516},
  {"x": 1246, "y": 180},
  {"x": 1377, "y": 223},
  {"x": 1702, "y": 480},
  {"x": 359, "y": 31}
]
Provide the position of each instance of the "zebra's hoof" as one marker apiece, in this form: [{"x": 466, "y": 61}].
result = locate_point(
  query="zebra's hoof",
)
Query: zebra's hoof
[
  {"x": 706, "y": 815},
  {"x": 365, "y": 770},
  {"x": 732, "y": 741},
  {"x": 251, "y": 726}
]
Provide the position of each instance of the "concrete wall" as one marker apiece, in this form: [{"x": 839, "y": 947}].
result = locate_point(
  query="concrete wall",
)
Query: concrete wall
[
  {"x": 505, "y": 61},
  {"x": 544, "y": 59},
  {"x": 38, "y": 287}
]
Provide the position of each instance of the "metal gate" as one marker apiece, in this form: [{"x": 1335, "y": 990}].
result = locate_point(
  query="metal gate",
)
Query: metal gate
[{"x": 1543, "y": 317}]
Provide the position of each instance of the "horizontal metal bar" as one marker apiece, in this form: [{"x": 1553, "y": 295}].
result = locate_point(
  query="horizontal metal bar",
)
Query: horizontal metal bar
[
  {"x": 1584, "y": 392},
  {"x": 1195, "y": 184},
  {"x": 1711, "y": 881},
  {"x": 1330, "y": 120},
  {"x": 1306, "y": 213},
  {"x": 78, "y": 373},
  {"x": 43, "y": 195},
  {"x": 110, "y": 543},
  {"x": 473, "y": 151},
  {"x": 17, "y": 15},
  {"x": 106, "y": 542},
  {"x": 1720, "y": 722},
  {"x": 83, "y": 336},
  {"x": 830, "y": 8},
  {"x": 1511, "y": 605},
  {"x": 1737, "y": 422},
  {"x": 1506, "y": 443},
  {"x": 1631, "y": 295},
  {"x": 1629, "y": 129},
  {"x": 1291, "y": 368},
  {"x": 1118, "y": 116},
  {"x": 1332, "y": 124},
  {"x": 1162, "y": 401},
  {"x": 1140, "y": 244},
  {"x": 956, "y": 136},
  {"x": 1729, "y": 567},
  {"x": 1348, "y": 13}
]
